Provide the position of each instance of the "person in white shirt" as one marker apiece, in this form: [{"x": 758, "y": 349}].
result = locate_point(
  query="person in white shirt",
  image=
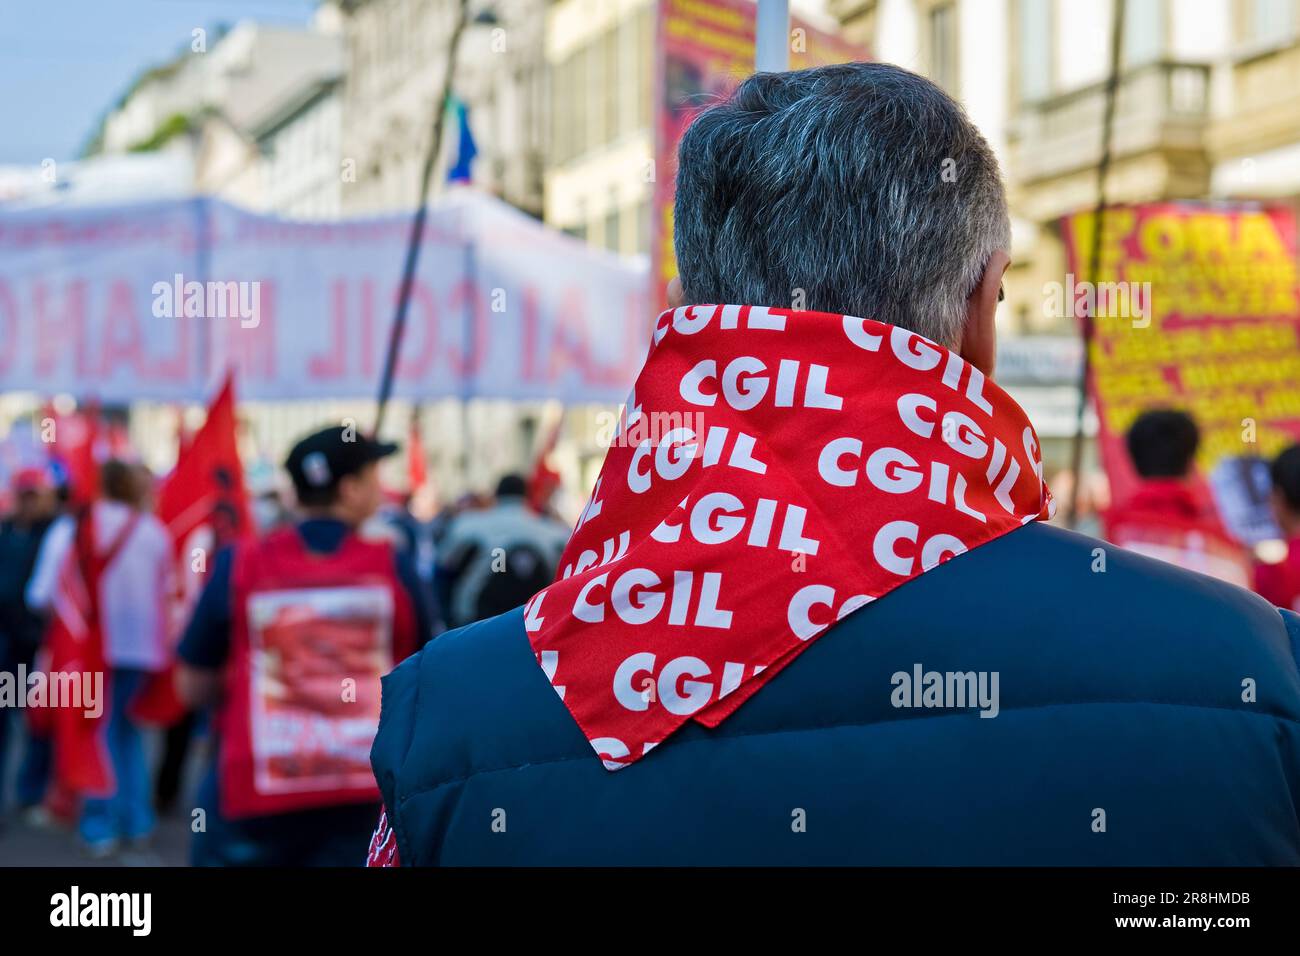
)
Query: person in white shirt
[{"x": 134, "y": 591}]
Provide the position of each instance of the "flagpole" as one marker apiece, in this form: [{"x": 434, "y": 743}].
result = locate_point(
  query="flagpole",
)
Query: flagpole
[
  {"x": 421, "y": 213},
  {"x": 1094, "y": 255}
]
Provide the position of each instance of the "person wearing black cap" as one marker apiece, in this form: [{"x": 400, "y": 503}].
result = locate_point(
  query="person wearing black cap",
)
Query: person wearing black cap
[{"x": 288, "y": 641}]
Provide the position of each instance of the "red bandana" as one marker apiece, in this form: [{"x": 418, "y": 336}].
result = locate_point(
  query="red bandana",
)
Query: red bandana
[{"x": 774, "y": 470}]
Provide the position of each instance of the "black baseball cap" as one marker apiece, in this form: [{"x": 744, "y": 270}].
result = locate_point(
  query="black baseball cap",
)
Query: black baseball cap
[{"x": 318, "y": 461}]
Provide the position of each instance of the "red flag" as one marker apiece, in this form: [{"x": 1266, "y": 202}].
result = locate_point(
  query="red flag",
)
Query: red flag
[
  {"x": 545, "y": 479},
  {"x": 78, "y": 448},
  {"x": 204, "y": 505},
  {"x": 417, "y": 470},
  {"x": 75, "y": 645},
  {"x": 204, "y": 495}
]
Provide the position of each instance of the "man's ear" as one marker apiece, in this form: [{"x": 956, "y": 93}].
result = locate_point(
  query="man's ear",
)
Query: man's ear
[
  {"x": 979, "y": 339},
  {"x": 674, "y": 293}
]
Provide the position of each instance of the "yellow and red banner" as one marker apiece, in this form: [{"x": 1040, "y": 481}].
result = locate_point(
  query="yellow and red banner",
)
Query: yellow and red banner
[
  {"x": 704, "y": 49},
  {"x": 1196, "y": 307}
]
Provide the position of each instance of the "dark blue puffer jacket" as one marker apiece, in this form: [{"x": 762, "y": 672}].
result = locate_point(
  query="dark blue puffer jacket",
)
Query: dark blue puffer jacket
[{"x": 1121, "y": 693}]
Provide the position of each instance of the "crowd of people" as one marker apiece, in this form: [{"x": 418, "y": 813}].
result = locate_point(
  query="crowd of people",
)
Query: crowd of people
[
  {"x": 340, "y": 534},
  {"x": 856, "y": 530},
  {"x": 480, "y": 558}
]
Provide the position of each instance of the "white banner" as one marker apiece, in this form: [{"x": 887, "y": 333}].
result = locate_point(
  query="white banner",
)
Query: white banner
[{"x": 154, "y": 301}]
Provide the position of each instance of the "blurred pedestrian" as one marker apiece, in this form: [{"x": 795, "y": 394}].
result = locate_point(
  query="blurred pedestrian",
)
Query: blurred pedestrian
[
  {"x": 495, "y": 558},
  {"x": 413, "y": 539},
  {"x": 1280, "y": 583},
  {"x": 45, "y": 799},
  {"x": 270, "y": 511},
  {"x": 287, "y": 642},
  {"x": 108, "y": 579},
  {"x": 21, "y": 626},
  {"x": 1166, "y": 518}
]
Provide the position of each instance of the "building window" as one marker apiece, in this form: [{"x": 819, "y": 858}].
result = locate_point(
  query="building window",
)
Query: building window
[
  {"x": 1268, "y": 21},
  {"x": 578, "y": 99},
  {"x": 643, "y": 227},
  {"x": 560, "y": 115},
  {"x": 645, "y": 40},
  {"x": 613, "y": 83},
  {"x": 598, "y": 85},
  {"x": 579, "y": 228},
  {"x": 613, "y": 225},
  {"x": 1144, "y": 22},
  {"x": 1035, "y": 42},
  {"x": 943, "y": 45},
  {"x": 628, "y": 78}
]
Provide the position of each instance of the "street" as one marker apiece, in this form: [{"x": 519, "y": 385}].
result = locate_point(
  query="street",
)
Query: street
[{"x": 23, "y": 845}]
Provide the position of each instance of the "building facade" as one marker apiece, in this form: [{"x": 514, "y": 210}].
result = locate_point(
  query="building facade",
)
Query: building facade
[
  {"x": 1208, "y": 104},
  {"x": 397, "y": 54},
  {"x": 1207, "y": 107},
  {"x": 599, "y": 173}
]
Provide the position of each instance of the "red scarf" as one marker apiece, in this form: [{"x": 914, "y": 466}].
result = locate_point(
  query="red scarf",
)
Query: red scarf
[
  {"x": 774, "y": 471},
  {"x": 76, "y": 643}
]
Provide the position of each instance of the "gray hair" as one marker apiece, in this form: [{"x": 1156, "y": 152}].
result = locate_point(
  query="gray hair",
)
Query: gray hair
[{"x": 862, "y": 186}]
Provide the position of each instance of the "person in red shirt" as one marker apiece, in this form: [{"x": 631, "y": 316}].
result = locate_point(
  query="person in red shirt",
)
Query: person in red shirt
[
  {"x": 1166, "y": 518},
  {"x": 288, "y": 642},
  {"x": 1280, "y": 583}
]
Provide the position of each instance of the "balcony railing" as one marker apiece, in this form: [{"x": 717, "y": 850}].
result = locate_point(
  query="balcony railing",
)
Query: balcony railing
[
  {"x": 1266, "y": 101},
  {"x": 1161, "y": 106}
]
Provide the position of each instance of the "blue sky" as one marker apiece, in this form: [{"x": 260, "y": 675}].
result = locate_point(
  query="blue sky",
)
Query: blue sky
[{"x": 64, "y": 62}]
